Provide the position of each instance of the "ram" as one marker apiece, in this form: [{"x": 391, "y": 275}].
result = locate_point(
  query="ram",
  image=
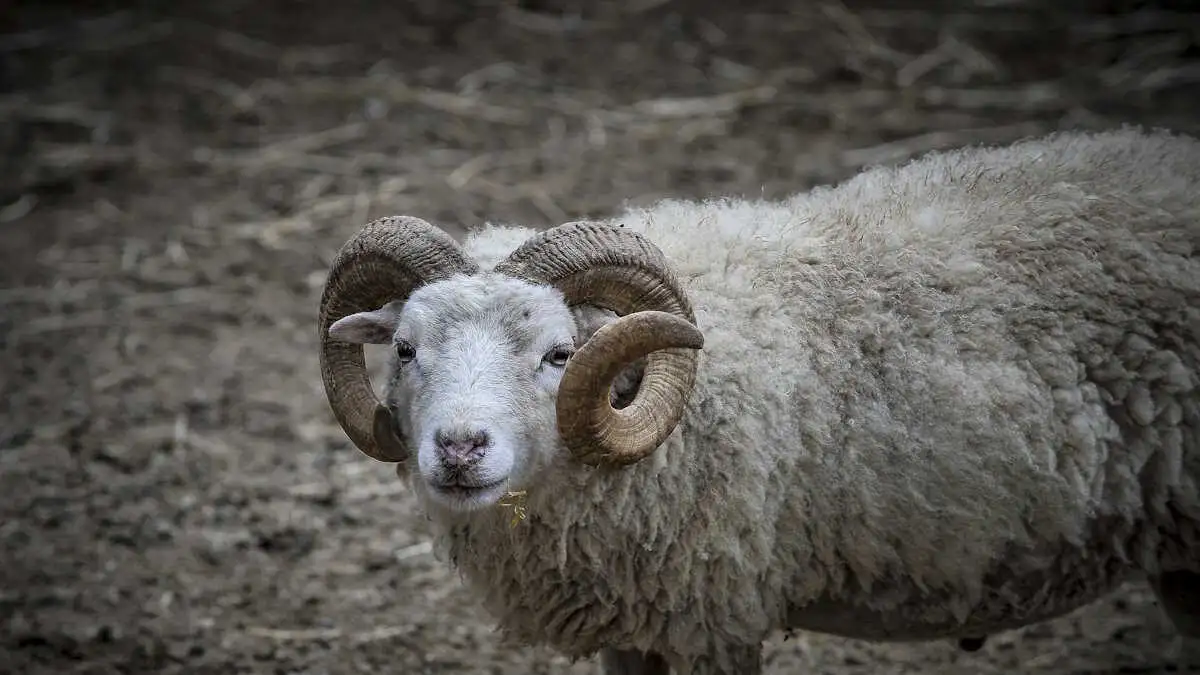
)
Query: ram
[{"x": 940, "y": 400}]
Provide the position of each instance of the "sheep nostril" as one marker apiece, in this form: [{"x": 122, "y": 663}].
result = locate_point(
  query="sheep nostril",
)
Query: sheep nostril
[{"x": 461, "y": 447}]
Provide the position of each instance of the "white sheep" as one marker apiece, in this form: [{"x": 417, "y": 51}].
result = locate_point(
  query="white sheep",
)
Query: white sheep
[{"x": 936, "y": 401}]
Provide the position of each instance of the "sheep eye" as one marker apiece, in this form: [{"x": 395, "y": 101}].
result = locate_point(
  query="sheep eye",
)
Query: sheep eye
[
  {"x": 558, "y": 356},
  {"x": 405, "y": 352}
]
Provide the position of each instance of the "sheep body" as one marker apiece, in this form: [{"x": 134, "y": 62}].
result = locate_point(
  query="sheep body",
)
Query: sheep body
[{"x": 942, "y": 399}]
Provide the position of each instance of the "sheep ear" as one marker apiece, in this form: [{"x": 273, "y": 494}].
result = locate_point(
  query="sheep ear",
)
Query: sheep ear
[{"x": 376, "y": 327}]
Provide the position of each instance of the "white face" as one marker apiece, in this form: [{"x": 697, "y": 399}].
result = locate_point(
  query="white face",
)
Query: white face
[{"x": 475, "y": 370}]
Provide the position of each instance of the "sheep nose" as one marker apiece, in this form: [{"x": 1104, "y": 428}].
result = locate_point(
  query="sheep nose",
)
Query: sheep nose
[{"x": 461, "y": 447}]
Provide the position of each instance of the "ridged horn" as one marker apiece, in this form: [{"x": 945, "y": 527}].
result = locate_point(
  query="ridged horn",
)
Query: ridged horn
[
  {"x": 385, "y": 261},
  {"x": 621, "y": 270}
]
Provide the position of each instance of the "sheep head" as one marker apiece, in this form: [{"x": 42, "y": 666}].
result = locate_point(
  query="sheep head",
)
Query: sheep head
[{"x": 493, "y": 369}]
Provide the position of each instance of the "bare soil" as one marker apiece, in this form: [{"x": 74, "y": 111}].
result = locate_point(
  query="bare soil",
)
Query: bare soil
[{"x": 175, "y": 178}]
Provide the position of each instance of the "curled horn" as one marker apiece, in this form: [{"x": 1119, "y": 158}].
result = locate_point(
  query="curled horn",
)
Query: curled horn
[
  {"x": 619, "y": 269},
  {"x": 384, "y": 262}
]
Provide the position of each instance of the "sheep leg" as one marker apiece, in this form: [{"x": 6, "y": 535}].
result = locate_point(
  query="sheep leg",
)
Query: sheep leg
[
  {"x": 1179, "y": 595},
  {"x": 972, "y": 644},
  {"x": 727, "y": 660},
  {"x": 632, "y": 662}
]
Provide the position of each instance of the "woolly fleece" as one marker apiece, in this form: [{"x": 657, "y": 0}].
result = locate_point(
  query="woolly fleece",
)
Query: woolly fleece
[{"x": 938, "y": 399}]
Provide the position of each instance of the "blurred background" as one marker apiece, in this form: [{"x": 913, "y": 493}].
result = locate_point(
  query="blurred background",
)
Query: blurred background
[{"x": 175, "y": 496}]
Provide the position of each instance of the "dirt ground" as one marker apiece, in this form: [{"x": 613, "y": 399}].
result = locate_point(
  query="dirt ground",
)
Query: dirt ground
[{"x": 176, "y": 497}]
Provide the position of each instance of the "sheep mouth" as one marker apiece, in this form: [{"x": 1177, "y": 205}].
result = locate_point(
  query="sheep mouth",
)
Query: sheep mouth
[
  {"x": 468, "y": 496},
  {"x": 456, "y": 487}
]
